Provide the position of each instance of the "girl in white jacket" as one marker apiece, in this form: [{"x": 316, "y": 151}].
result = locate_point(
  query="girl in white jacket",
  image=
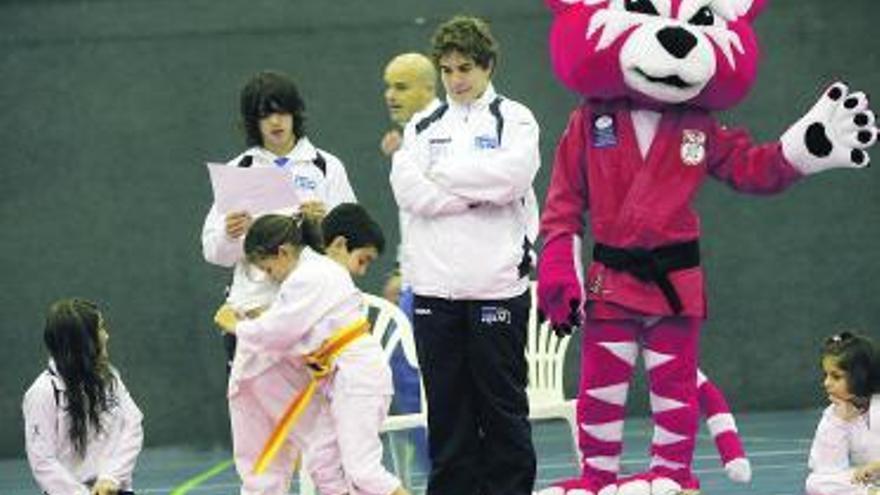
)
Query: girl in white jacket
[
  {"x": 317, "y": 304},
  {"x": 845, "y": 456},
  {"x": 82, "y": 429}
]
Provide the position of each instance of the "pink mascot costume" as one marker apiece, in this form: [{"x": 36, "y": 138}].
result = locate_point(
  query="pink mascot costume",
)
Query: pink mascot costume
[{"x": 633, "y": 157}]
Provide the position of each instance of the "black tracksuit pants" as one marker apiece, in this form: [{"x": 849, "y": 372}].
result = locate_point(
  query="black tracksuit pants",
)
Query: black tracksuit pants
[{"x": 472, "y": 359}]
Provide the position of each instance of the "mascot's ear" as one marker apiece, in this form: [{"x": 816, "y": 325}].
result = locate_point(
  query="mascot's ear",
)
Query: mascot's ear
[
  {"x": 747, "y": 9},
  {"x": 558, "y": 6}
]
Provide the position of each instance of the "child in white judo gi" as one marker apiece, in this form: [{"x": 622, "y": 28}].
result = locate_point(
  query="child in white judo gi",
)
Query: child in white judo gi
[
  {"x": 845, "y": 456},
  {"x": 315, "y": 326},
  {"x": 82, "y": 429}
]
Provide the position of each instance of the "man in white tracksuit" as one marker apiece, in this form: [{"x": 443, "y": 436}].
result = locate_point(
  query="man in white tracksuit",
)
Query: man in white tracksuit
[{"x": 464, "y": 175}]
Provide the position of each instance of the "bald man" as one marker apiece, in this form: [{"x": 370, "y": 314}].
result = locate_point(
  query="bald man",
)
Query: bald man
[{"x": 410, "y": 88}]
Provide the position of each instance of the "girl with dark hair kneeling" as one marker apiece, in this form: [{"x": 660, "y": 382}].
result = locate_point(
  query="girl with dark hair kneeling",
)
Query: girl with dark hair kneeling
[{"x": 82, "y": 429}]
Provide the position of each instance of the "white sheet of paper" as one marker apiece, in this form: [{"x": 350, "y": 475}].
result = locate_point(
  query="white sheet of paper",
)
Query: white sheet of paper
[{"x": 256, "y": 190}]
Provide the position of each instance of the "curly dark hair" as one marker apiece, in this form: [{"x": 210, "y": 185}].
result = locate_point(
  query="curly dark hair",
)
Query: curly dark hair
[
  {"x": 72, "y": 337},
  {"x": 469, "y": 36},
  {"x": 269, "y": 92}
]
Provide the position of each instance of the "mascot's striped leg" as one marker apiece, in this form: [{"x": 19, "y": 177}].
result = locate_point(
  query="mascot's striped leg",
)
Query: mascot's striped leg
[
  {"x": 608, "y": 356},
  {"x": 670, "y": 348},
  {"x": 722, "y": 426}
]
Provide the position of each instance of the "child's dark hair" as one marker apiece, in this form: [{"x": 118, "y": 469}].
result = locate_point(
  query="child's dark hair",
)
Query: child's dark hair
[
  {"x": 266, "y": 93},
  {"x": 469, "y": 36},
  {"x": 351, "y": 221},
  {"x": 270, "y": 232},
  {"x": 858, "y": 356},
  {"x": 71, "y": 335}
]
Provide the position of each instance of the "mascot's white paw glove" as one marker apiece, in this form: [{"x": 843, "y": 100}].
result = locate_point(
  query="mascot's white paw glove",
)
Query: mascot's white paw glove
[{"x": 834, "y": 134}]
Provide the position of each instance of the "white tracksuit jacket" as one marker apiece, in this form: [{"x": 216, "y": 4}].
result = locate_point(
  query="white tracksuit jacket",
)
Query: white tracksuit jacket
[{"x": 464, "y": 175}]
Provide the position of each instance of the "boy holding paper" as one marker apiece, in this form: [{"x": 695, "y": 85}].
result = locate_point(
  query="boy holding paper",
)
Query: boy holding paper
[{"x": 273, "y": 117}]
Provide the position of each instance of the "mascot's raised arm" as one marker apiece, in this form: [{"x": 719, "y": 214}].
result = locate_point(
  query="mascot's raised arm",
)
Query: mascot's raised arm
[{"x": 632, "y": 158}]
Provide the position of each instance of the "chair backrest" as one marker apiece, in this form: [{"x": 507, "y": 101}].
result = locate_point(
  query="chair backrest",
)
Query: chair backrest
[
  {"x": 545, "y": 354},
  {"x": 392, "y": 328}
]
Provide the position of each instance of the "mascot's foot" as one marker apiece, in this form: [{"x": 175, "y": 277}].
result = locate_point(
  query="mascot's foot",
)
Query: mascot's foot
[
  {"x": 675, "y": 485},
  {"x": 739, "y": 470},
  {"x": 580, "y": 486},
  {"x": 651, "y": 483},
  {"x": 637, "y": 484}
]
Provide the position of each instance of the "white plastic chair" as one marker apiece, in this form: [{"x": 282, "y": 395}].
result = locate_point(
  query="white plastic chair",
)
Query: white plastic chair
[
  {"x": 392, "y": 327},
  {"x": 545, "y": 354}
]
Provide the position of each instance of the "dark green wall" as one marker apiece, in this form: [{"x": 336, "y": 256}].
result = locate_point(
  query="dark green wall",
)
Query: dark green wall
[{"x": 110, "y": 108}]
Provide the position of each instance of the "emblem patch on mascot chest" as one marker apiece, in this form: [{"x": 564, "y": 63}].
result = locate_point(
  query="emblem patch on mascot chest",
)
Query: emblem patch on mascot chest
[
  {"x": 604, "y": 132},
  {"x": 693, "y": 147}
]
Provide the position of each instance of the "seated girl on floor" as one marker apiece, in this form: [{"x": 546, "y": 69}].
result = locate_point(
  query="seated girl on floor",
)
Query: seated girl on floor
[
  {"x": 845, "y": 456},
  {"x": 82, "y": 429}
]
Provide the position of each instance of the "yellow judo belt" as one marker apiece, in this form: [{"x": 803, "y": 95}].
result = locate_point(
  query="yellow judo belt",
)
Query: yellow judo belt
[{"x": 321, "y": 362}]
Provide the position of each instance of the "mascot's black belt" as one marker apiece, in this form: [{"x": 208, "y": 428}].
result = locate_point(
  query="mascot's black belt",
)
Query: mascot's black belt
[{"x": 652, "y": 265}]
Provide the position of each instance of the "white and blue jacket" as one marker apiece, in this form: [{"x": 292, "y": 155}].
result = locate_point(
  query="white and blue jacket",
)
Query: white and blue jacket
[
  {"x": 317, "y": 175},
  {"x": 464, "y": 175}
]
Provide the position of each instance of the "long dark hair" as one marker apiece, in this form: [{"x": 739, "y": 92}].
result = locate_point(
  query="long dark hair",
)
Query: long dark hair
[
  {"x": 72, "y": 337},
  {"x": 858, "y": 356},
  {"x": 270, "y": 232}
]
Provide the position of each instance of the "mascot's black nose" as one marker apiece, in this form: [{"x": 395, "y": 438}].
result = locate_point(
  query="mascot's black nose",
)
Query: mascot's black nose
[{"x": 677, "y": 41}]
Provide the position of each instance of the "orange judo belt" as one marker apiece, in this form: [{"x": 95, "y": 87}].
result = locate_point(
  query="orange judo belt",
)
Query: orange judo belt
[{"x": 321, "y": 363}]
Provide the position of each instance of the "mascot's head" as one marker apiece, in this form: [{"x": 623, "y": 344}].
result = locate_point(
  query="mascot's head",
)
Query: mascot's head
[{"x": 696, "y": 52}]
